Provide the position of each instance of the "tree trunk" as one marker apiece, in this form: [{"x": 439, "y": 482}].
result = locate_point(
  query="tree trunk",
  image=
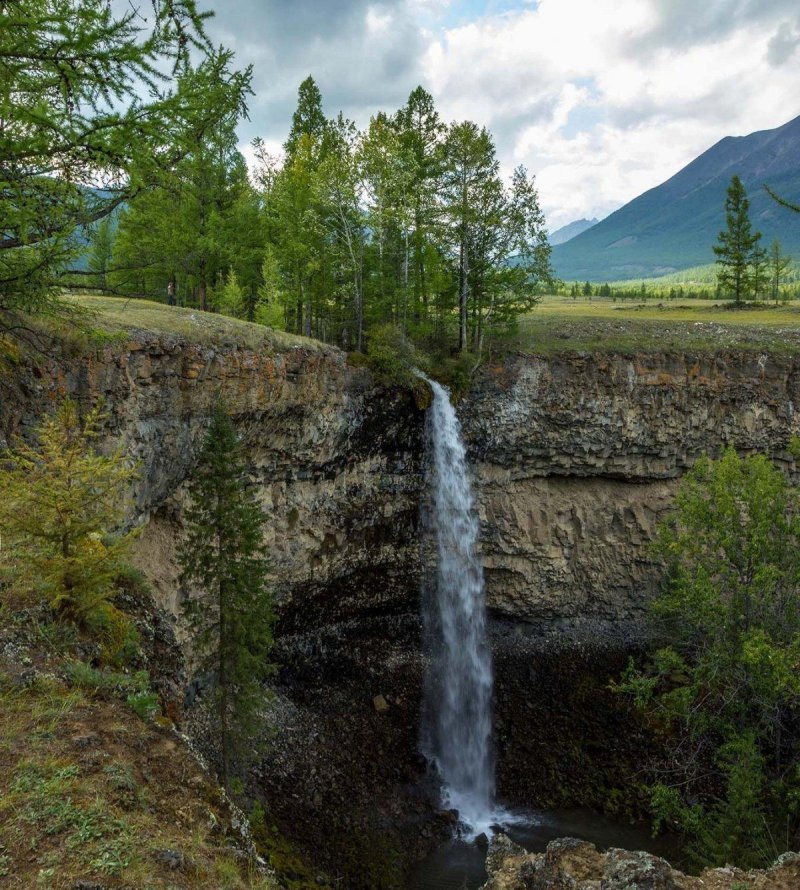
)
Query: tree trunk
[
  {"x": 463, "y": 297},
  {"x": 307, "y": 318}
]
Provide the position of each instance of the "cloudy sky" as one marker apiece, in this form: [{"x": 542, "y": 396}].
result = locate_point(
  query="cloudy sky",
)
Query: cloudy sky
[{"x": 601, "y": 99}]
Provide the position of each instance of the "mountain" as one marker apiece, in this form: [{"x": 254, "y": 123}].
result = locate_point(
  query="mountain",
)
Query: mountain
[
  {"x": 570, "y": 230},
  {"x": 674, "y": 225}
]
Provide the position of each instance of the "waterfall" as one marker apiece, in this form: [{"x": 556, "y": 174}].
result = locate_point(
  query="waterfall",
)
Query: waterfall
[{"x": 457, "y": 702}]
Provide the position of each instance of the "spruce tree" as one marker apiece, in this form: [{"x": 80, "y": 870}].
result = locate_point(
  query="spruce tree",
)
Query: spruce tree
[
  {"x": 225, "y": 557},
  {"x": 736, "y": 244}
]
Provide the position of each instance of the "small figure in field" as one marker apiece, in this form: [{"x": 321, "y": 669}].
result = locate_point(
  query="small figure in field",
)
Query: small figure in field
[{"x": 171, "y": 293}]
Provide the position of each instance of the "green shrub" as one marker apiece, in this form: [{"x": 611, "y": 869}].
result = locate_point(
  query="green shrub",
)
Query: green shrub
[
  {"x": 116, "y": 633},
  {"x": 145, "y": 704},
  {"x": 391, "y": 356},
  {"x": 724, "y": 684}
]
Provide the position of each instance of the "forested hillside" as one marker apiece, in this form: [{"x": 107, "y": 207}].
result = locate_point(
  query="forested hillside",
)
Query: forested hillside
[{"x": 408, "y": 222}]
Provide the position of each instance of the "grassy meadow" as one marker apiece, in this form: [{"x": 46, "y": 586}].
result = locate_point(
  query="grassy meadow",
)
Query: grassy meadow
[{"x": 560, "y": 323}]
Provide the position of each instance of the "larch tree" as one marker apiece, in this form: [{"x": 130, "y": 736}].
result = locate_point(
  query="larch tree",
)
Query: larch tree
[
  {"x": 182, "y": 231},
  {"x": 778, "y": 264},
  {"x": 96, "y": 103},
  {"x": 759, "y": 271},
  {"x": 472, "y": 193},
  {"x": 61, "y": 514},
  {"x": 224, "y": 557},
  {"x": 736, "y": 244},
  {"x": 421, "y": 134},
  {"x": 101, "y": 248}
]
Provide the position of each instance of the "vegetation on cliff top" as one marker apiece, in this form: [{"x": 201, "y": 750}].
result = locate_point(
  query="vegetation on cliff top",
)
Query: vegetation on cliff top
[{"x": 98, "y": 104}]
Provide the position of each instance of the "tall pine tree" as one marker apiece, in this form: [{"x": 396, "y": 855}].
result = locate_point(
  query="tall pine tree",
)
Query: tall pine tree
[
  {"x": 736, "y": 244},
  {"x": 224, "y": 555}
]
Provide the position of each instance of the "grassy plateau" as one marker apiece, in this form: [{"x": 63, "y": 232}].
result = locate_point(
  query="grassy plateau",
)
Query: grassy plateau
[{"x": 560, "y": 324}]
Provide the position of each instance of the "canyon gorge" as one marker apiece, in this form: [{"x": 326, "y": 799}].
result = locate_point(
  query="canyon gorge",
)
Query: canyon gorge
[{"x": 574, "y": 457}]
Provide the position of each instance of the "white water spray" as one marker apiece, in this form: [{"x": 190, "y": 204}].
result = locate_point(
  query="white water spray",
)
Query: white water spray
[{"x": 457, "y": 711}]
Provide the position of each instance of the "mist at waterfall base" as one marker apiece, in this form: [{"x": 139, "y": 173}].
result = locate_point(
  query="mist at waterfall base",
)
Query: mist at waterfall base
[{"x": 457, "y": 700}]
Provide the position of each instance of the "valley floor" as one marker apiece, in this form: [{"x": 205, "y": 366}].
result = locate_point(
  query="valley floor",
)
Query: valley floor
[{"x": 560, "y": 324}]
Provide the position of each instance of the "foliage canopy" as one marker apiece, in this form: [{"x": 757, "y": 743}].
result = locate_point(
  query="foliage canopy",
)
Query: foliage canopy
[
  {"x": 724, "y": 689},
  {"x": 98, "y": 104}
]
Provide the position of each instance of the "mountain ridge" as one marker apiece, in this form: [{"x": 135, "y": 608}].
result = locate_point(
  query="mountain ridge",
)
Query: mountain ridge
[
  {"x": 673, "y": 226},
  {"x": 571, "y": 230}
]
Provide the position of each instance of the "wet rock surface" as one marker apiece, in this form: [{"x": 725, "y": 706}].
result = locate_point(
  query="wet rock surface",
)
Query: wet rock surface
[{"x": 571, "y": 864}]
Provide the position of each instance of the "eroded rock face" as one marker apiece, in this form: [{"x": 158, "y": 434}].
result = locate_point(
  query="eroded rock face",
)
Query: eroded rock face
[
  {"x": 577, "y": 457},
  {"x": 571, "y": 864},
  {"x": 335, "y": 461}
]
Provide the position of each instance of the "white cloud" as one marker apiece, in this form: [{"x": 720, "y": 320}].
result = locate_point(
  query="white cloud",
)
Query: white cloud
[{"x": 602, "y": 99}]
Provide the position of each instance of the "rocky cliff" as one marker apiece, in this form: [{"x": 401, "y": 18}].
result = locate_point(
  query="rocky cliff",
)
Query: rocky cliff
[
  {"x": 336, "y": 463},
  {"x": 577, "y": 456},
  {"x": 335, "y": 460}
]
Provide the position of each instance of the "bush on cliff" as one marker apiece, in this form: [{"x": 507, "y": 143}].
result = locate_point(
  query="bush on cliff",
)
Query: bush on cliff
[
  {"x": 61, "y": 504},
  {"x": 724, "y": 689}
]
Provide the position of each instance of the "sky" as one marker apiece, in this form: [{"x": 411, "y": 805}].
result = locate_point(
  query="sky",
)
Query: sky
[{"x": 600, "y": 99}]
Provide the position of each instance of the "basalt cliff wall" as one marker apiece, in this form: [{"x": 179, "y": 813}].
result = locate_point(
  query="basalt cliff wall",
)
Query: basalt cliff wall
[
  {"x": 575, "y": 456},
  {"x": 335, "y": 460},
  {"x": 578, "y": 456}
]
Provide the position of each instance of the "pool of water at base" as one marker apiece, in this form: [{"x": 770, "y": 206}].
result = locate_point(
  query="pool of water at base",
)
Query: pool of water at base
[{"x": 460, "y": 865}]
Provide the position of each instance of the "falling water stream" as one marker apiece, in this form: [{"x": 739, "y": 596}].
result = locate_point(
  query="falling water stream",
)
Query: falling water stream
[
  {"x": 457, "y": 700},
  {"x": 457, "y": 726}
]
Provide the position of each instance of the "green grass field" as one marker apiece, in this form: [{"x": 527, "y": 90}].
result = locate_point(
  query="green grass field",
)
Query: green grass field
[
  {"x": 557, "y": 324},
  {"x": 119, "y": 315},
  {"x": 561, "y": 323}
]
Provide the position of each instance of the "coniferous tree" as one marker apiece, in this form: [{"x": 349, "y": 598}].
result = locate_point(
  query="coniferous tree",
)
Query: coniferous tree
[
  {"x": 758, "y": 270},
  {"x": 724, "y": 685},
  {"x": 407, "y": 224},
  {"x": 187, "y": 230},
  {"x": 778, "y": 263},
  {"x": 421, "y": 133},
  {"x": 308, "y": 119},
  {"x": 61, "y": 508},
  {"x": 225, "y": 557},
  {"x": 736, "y": 244},
  {"x": 104, "y": 95},
  {"x": 100, "y": 252}
]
